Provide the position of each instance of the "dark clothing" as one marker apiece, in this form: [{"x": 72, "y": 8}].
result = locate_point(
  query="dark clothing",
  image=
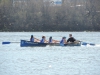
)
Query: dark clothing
[{"x": 71, "y": 39}]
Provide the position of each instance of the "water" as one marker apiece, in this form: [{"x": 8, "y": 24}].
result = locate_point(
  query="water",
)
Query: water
[{"x": 16, "y": 60}]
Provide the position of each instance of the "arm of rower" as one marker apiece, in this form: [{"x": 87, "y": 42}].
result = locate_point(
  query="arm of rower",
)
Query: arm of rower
[
  {"x": 56, "y": 41},
  {"x": 46, "y": 41},
  {"x": 37, "y": 39}
]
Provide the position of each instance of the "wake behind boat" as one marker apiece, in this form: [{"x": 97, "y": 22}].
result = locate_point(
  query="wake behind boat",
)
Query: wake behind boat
[{"x": 24, "y": 43}]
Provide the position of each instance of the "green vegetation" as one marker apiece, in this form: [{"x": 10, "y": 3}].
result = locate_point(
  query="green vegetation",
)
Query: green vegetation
[{"x": 35, "y": 15}]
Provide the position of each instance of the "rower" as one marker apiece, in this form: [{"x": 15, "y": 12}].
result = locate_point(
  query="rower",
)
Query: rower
[
  {"x": 43, "y": 40},
  {"x": 71, "y": 39},
  {"x": 52, "y": 40},
  {"x": 32, "y": 38},
  {"x": 63, "y": 41}
]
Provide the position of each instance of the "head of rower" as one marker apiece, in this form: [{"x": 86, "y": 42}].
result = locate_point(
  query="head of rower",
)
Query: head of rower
[
  {"x": 43, "y": 37},
  {"x": 70, "y": 35},
  {"x": 31, "y": 36}
]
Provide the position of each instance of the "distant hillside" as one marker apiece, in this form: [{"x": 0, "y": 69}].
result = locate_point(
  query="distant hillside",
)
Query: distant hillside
[{"x": 37, "y": 15}]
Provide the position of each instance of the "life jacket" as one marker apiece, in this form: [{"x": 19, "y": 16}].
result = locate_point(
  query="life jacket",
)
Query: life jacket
[{"x": 42, "y": 41}]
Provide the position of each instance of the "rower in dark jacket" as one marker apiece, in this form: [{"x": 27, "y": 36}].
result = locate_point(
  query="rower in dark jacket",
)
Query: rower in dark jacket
[{"x": 71, "y": 39}]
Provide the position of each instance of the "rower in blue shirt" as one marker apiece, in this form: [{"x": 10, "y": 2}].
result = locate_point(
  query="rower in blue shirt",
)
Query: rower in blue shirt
[
  {"x": 32, "y": 38},
  {"x": 43, "y": 40},
  {"x": 63, "y": 41},
  {"x": 52, "y": 40}
]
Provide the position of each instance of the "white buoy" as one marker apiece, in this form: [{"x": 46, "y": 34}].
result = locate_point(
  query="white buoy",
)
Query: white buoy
[{"x": 50, "y": 66}]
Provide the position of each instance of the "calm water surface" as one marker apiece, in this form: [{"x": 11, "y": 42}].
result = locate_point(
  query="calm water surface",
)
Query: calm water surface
[{"x": 16, "y": 60}]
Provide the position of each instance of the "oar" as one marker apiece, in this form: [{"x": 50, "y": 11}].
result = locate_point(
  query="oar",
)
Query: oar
[
  {"x": 9, "y": 42},
  {"x": 84, "y": 43}
]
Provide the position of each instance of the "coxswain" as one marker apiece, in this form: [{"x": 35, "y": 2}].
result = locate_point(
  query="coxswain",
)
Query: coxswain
[{"x": 71, "y": 39}]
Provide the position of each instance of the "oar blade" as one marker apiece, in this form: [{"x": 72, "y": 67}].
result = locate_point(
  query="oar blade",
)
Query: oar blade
[
  {"x": 92, "y": 44},
  {"x": 84, "y": 43},
  {"x": 6, "y": 42}
]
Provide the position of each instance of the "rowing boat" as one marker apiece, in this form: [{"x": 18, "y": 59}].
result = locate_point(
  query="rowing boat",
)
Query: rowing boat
[{"x": 25, "y": 43}]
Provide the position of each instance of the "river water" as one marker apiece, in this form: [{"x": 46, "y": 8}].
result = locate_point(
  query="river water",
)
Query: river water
[{"x": 16, "y": 60}]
